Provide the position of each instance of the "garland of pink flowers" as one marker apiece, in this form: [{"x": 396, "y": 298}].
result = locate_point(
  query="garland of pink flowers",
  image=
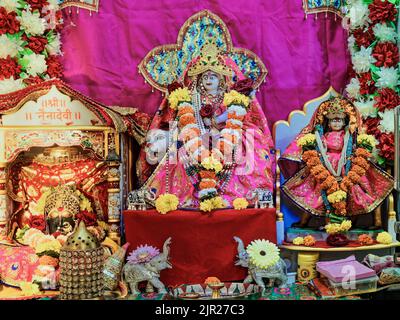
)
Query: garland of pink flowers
[
  {"x": 374, "y": 87},
  {"x": 29, "y": 43}
]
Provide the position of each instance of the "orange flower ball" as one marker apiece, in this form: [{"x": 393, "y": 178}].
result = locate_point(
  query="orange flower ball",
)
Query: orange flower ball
[
  {"x": 186, "y": 119},
  {"x": 309, "y": 241},
  {"x": 205, "y": 174},
  {"x": 365, "y": 240},
  {"x": 207, "y": 184},
  {"x": 185, "y": 110}
]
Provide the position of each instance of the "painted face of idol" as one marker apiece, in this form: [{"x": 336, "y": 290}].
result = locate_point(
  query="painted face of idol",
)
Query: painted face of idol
[{"x": 210, "y": 81}]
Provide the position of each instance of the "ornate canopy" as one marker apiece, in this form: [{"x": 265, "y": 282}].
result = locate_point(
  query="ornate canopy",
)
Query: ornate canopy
[{"x": 166, "y": 64}]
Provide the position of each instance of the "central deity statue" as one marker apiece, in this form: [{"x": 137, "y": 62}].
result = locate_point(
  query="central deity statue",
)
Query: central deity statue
[{"x": 209, "y": 142}]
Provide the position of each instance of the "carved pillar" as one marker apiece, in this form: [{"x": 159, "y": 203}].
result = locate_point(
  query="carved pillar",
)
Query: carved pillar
[
  {"x": 4, "y": 200},
  {"x": 113, "y": 179}
]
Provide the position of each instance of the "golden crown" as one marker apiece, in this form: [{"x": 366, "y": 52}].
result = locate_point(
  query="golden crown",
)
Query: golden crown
[
  {"x": 336, "y": 108},
  {"x": 62, "y": 196},
  {"x": 210, "y": 60}
]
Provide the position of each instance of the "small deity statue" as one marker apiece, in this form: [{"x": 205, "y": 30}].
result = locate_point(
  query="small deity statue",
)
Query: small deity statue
[
  {"x": 220, "y": 119},
  {"x": 62, "y": 205},
  {"x": 328, "y": 169}
]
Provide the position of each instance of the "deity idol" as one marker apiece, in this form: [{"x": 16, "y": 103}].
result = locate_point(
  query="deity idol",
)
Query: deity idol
[
  {"x": 328, "y": 167},
  {"x": 221, "y": 146}
]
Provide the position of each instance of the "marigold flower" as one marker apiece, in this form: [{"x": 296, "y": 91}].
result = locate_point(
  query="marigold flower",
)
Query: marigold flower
[
  {"x": 185, "y": 110},
  {"x": 234, "y": 97},
  {"x": 309, "y": 241},
  {"x": 240, "y": 203},
  {"x": 354, "y": 177},
  {"x": 309, "y": 154},
  {"x": 384, "y": 238},
  {"x": 186, "y": 119},
  {"x": 298, "y": 241},
  {"x": 337, "y": 196},
  {"x": 207, "y": 184},
  {"x": 365, "y": 240},
  {"x": 166, "y": 202}
]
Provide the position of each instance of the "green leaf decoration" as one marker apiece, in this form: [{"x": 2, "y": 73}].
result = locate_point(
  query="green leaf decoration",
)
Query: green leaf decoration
[
  {"x": 381, "y": 161},
  {"x": 23, "y": 75},
  {"x": 368, "y": 2}
]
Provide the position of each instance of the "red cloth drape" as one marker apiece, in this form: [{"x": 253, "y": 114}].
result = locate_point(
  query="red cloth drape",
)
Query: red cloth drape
[{"x": 202, "y": 244}]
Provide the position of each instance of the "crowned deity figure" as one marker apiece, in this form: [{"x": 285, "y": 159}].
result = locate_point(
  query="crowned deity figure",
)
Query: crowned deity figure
[
  {"x": 209, "y": 142},
  {"x": 328, "y": 169}
]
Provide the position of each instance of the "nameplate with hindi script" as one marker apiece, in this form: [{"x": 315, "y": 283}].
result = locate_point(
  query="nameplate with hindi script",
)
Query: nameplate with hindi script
[{"x": 52, "y": 109}]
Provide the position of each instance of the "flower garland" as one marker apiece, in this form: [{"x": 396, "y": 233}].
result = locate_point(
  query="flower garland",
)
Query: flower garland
[
  {"x": 334, "y": 193},
  {"x": 374, "y": 87},
  {"x": 211, "y": 162},
  {"x": 29, "y": 43}
]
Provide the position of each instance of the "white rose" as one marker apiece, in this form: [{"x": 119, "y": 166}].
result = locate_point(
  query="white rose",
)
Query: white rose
[
  {"x": 32, "y": 23},
  {"x": 9, "y": 47},
  {"x": 10, "y": 85},
  {"x": 36, "y": 64}
]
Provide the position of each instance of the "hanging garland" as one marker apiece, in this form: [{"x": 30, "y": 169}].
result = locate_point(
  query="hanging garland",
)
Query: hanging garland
[
  {"x": 374, "y": 87},
  {"x": 29, "y": 43}
]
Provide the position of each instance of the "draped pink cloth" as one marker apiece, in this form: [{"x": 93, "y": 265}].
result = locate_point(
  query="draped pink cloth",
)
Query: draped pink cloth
[{"x": 303, "y": 56}]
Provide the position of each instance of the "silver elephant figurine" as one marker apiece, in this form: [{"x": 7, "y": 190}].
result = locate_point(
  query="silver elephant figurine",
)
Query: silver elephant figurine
[
  {"x": 149, "y": 271},
  {"x": 263, "y": 198},
  {"x": 137, "y": 199},
  {"x": 275, "y": 274}
]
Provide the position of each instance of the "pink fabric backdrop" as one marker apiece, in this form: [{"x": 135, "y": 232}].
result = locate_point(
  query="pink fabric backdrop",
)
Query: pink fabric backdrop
[{"x": 303, "y": 57}]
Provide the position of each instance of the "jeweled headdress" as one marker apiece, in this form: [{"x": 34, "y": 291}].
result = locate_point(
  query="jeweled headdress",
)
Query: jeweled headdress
[
  {"x": 337, "y": 107},
  {"x": 210, "y": 59},
  {"x": 168, "y": 63}
]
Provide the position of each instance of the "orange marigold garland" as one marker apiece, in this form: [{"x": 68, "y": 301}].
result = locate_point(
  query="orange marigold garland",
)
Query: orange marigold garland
[{"x": 335, "y": 191}]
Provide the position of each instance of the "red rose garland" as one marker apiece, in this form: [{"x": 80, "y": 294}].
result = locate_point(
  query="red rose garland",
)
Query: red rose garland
[
  {"x": 386, "y": 54},
  {"x": 29, "y": 44},
  {"x": 8, "y": 22},
  {"x": 376, "y": 33},
  {"x": 382, "y": 11}
]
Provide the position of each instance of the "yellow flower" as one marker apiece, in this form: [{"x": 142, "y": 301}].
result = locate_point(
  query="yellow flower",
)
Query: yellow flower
[
  {"x": 333, "y": 228},
  {"x": 218, "y": 203},
  {"x": 206, "y": 205},
  {"x": 210, "y": 163},
  {"x": 337, "y": 196},
  {"x": 29, "y": 289},
  {"x": 85, "y": 205},
  {"x": 366, "y": 139},
  {"x": 51, "y": 245},
  {"x": 345, "y": 225},
  {"x": 298, "y": 241},
  {"x": 166, "y": 202},
  {"x": 306, "y": 140},
  {"x": 234, "y": 97},
  {"x": 178, "y": 96},
  {"x": 263, "y": 253},
  {"x": 240, "y": 203},
  {"x": 384, "y": 237}
]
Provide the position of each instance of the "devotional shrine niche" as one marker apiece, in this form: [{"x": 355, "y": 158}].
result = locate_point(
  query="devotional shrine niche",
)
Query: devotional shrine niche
[
  {"x": 328, "y": 170},
  {"x": 209, "y": 141},
  {"x": 60, "y": 163}
]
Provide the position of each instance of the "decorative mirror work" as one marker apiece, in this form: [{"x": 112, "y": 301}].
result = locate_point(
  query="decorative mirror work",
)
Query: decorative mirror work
[
  {"x": 316, "y": 6},
  {"x": 166, "y": 64}
]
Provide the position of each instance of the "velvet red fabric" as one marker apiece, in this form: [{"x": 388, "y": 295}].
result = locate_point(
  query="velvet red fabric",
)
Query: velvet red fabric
[{"x": 202, "y": 244}]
